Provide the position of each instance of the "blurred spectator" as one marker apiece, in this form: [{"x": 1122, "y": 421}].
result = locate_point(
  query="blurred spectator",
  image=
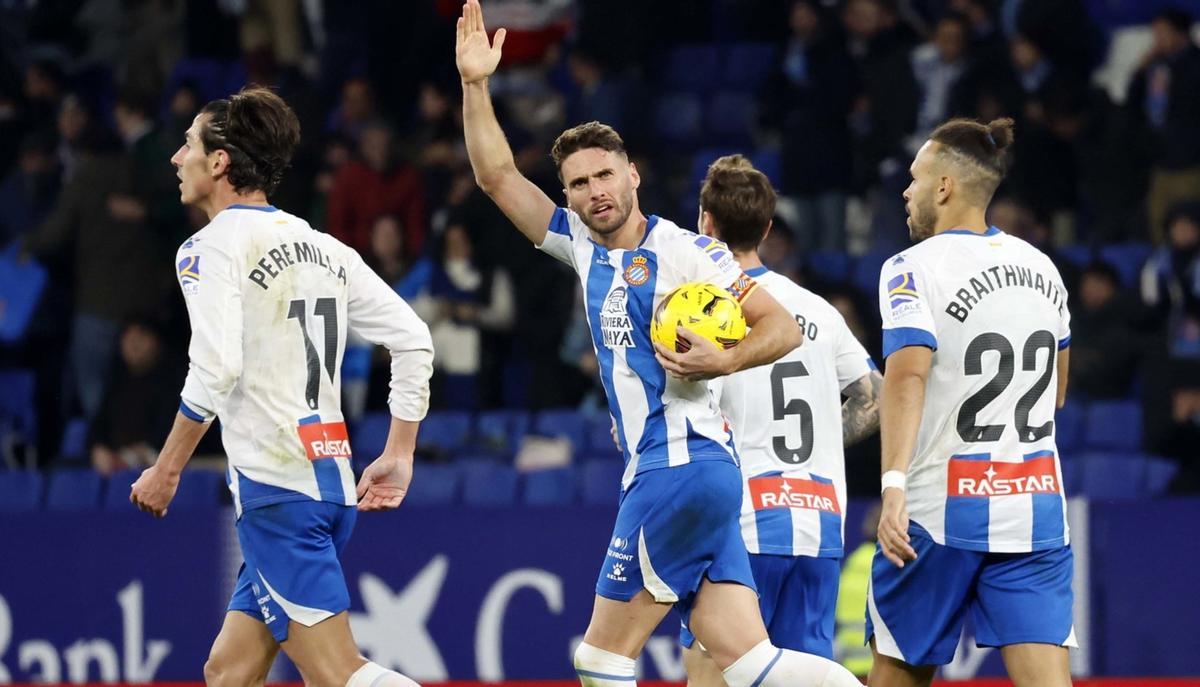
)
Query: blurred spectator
[
  {"x": 119, "y": 261},
  {"x": 988, "y": 48},
  {"x": 273, "y": 28},
  {"x": 139, "y": 406},
  {"x": 1165, "y": 97},
  {"x": 387, "y": 248},
  {"x": 599, "y": 96},
  {"x": 77, "y": 129},
  {"x": 355, "y": 110},
  {"x": 778, "y": 251},
  {"x": 44, "y": 90},
  {"x": 375, "y": 184},
  {"x": 886, "y": 108},
  {"x": 181, "y": 110},
  {"x": 1171, "y": 282},
  {"x": 1105, "y": 344},
  {"x": 28, "y": 192},
  {"x": 465, "y": 298},
  {"x": 937, "y": 68},
  {"x": 808, "y": 101}
]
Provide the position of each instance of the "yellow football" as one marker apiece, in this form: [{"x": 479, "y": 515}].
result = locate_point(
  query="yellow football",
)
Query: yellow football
[{"x": 705, "y": 309}]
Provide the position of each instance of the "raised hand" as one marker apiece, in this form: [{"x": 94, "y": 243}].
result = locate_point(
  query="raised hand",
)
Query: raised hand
[{"x": 475, "y": 56}]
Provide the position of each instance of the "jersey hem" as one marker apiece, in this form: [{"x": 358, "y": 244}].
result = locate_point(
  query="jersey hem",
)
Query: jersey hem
[
  {"x": 264, "y": 501},
  {"x": 984, "y": 547},
  {"x": 826, "y": 552}
]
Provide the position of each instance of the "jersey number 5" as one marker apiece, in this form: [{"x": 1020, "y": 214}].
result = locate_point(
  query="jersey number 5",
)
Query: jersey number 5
[
  {"x": 326, "y": 309},
  {"x": 796, "y": 406},
  {"x": 968, "y": 428}
]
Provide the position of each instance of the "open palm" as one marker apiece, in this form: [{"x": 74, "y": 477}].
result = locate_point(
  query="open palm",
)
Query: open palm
[
  {"x": 384, "y": 484},
  {"x": 476, "y": 58}
]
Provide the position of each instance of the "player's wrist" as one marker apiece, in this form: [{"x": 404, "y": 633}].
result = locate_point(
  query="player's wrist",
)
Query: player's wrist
[{"x": 893, "y": 479}]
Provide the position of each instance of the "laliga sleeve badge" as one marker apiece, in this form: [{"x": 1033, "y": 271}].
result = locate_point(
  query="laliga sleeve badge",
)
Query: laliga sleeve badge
[{"x": 638, "y": 272}]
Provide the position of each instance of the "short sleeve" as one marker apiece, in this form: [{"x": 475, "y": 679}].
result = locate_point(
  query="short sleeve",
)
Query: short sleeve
[
  {"x": 565, "y": 230},
  {"x": 705, "y": 259},
  {"x": 852, "y": 360},
  {"x": 904, "y": 306}
]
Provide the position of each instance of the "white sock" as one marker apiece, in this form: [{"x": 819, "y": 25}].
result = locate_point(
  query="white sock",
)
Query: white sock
[
  {"x": 599, "y": 668},
  {"x": 375, "y": 675},
  {"x": 767, "y": 666}
]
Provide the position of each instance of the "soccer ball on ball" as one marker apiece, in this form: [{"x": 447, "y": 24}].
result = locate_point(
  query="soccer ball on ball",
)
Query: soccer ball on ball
[{"x": 706, "y": 310}]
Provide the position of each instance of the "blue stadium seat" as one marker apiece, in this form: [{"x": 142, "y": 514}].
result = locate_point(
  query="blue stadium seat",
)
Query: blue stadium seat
[
  {"x": 562, "y": 422},
  {"x": 434, "y": 484},
  {"x": 830, "y": 265},
  {"x": 690, "y": 68},
  {"x": 20, "y": 491},
  {"x": 1114, "y": 476},
  {"x": 74, "y": 440},
  {"x": 678, "y": 118},
  {"x": 116, "y": 496},
  {"x": 747, "y": 66},
  {"x": 1078, "y": 255},
  {"x": 865, "y": 275},
  {"x": 17, "y": 407},
  {"x": 489, "y": 484},
  {"x": 74, "y": 490},
  {"x": 458, "y": 392},
  {"x": 445, "y": 430},
  {"x": 769, "y": 161},
  {"x": 600, "y": 481},
  {"x": 501, "y": 430},
  {"x": 1127, "y": 259},
  {"x": 21, "y": 284},
  {"x": 1114, "y": 425},
  {"x": 600, "y": 440},
  {"x": 198, "y": 490},
  {"x": 370, "y": 437},
  {"x": 1159, "y": 474},
  {"x": 1072, "y": 471},
  {"x": 1069, "y": 426},
  {"x": 554, "y": 487},
  {"x": 730, "y": 117}
]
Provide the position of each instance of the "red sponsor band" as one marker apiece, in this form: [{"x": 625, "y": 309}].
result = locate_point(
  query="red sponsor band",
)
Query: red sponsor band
[
  {"x": 325, "y": 440},
  {"x": 791, "y": 492},
  {"x": 984, "y": 478}
]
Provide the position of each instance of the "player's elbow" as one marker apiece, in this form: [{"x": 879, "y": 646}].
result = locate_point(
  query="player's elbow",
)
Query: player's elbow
[{"x": 491, "y": 179}]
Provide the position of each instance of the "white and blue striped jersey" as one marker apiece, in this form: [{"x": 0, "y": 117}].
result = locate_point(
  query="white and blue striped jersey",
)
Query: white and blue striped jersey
[
  {"x": 787, "y": 418},
  {"x": 985, "y": 474},
  {"x": 270, "y": 300},
  {"x": 662, "y": 421}
]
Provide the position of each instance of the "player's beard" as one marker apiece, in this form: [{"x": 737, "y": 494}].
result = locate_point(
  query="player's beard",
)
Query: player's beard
[
  {"x": 922, "y": 219},
  {"x": 622, "y": 208}
]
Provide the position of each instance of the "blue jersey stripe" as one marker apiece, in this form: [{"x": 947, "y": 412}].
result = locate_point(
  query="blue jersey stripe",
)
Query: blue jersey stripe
[
  {"x": 1048, "y": 521},
  {"x": 640, "y": 358},
  {"x": 329, "y": 477},
  {"x": 600, "y": 275},
  {"x": 968, "y": 517},
  {"x": 830, "y": 543}
]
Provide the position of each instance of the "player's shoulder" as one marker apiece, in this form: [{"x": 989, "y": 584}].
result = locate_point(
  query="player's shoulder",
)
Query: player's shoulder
[{"x": 683, "y": 248}]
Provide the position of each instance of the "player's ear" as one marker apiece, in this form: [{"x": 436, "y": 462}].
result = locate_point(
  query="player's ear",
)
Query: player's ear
[
  {"x": 706, "y": 223},
  {"x": 770, "y": 226},
  {"x": 218, "y": 162},
  {"x": 944, "y": 190},
  {"x": 633, "y": 174}
]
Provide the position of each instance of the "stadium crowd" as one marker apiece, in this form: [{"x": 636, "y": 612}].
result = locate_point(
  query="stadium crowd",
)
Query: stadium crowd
[{"x": 831, "y": 99}]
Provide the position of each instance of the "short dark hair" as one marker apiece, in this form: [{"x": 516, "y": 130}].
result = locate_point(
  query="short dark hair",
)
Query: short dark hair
[
  {"x": 741, "y": 201},
  {"x": 979, "y": 147},
  {"x": 259, "y": 132},
  {"x": 583, "y": 136}
]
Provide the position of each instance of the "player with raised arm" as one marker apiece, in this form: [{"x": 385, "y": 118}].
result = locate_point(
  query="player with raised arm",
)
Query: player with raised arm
[
  {"x": 975, "y": 333},
  {"x": 270, "y": 300},
  {"x": 676, "y": 540},
  {"x": 785, "y": 418}
]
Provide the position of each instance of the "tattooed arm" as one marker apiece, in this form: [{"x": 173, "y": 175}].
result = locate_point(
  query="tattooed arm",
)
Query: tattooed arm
[{"x": 860, "y": 412}]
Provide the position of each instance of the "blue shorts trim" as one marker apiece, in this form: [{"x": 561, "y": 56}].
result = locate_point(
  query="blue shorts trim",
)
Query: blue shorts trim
[
  {"x": 291, "y": 570},
  {"x": 916, "y": 613},
  {"x": 797, "y": 596},
  {"x": 675, "y": 527}
]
